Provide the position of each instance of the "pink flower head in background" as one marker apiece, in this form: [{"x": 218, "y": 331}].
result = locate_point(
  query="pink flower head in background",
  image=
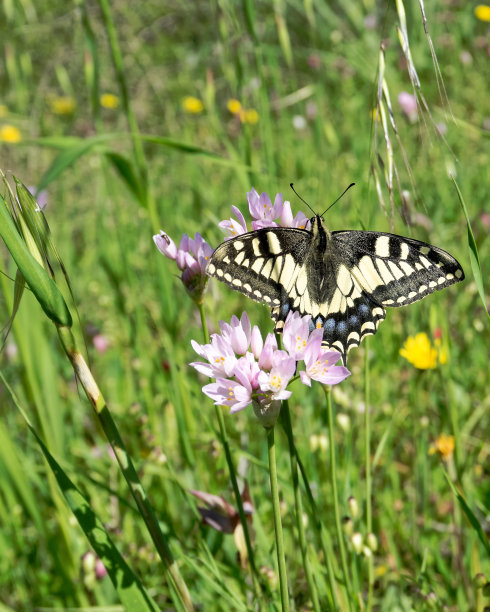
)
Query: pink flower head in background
[
  {"x": 408, "y": 104},
  {"x": 262, "y": 210},
  {"x": 264, "y": 214},
  {"x": 220, "y": 515},
  {"x": 191, "y": 257},
  {"x": 41, "y": 198},
  {"x": 248, "y": 370}
]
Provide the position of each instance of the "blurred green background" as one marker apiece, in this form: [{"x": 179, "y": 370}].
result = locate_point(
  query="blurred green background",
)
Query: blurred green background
[{"x": 221, "y": 97}]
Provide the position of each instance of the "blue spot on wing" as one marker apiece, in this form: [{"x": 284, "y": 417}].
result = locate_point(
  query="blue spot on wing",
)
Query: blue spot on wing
[
  {"x": 353, "y": 319},
  {"x": 342, "y": 327},
  {"x": 329, "y": 325},
  {"x": 363, "y": 309}
]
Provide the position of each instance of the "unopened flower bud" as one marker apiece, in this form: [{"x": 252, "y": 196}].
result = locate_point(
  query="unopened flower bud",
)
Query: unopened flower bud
[
  {"x": 347, "y": 525},
  {"x": 343, "y": 421},
  {"x": 372, "y": 541},
  {"x": 353, "y": 506},
  {"x": 367, "y": 552},
  {"x": 356, "y": 541},
  {"x": 480, "y": 581}
]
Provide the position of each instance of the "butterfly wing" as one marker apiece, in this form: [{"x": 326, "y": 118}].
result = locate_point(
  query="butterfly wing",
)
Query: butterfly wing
[
  {"x": 263, "y": 264},
  {"x": 396, "y": 271},
  {"x": 377, "y": 270}
]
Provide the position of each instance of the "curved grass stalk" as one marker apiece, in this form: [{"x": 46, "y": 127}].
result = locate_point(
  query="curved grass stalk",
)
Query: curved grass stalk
[{"x": 84, "y": 375}]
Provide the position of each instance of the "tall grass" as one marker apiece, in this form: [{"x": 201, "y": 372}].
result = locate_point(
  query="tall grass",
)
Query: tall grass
[{"x": 323, "y": 80}]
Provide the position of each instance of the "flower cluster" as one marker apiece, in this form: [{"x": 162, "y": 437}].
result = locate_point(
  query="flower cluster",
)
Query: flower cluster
[
  {"x": 246, "y": 115},
  {"x": 191, "y": 257},
  {"x": 248, "y": 370},
  {"x": 264, "y": 214}
]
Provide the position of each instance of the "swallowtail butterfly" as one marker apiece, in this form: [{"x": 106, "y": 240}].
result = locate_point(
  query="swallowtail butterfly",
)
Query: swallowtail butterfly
[{"x": 344, "y": 279}]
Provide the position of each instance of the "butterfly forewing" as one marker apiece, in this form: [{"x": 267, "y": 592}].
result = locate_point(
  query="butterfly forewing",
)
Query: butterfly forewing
[
  {"x": 396, "y": 271},
  {"x": 344, "y": 280},
  {"x": 262, "y": 264}
]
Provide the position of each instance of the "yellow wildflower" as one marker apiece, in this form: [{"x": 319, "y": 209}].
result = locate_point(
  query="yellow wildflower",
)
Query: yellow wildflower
[
  {"x": 9, "y": 133},
  {"x": 109, "y": 100},
  {"x": 482, "y": 12},
  {"x": 192, "y": 105},
  {"x": 249, "y": 115},
  {"x": 3, "y": 110},
  {"x": 444, "y": 445},
  {"x": 234, "y": 106},
  {"x": 419, "y": 352},
  {"x": 62, "y": 105}
]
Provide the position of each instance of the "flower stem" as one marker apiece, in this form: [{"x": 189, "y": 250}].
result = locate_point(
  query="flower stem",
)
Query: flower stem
[
  {"x": 333, "y": 475},
  {"x": 231, "y": 469},
  {"x": 367, "y": 460},
  {"x": 281, "y": 561},
  {"x": 286, "y": 422}
]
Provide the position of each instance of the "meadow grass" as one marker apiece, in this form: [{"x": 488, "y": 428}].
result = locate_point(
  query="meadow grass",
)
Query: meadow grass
[{"x": 379, "y": 510}]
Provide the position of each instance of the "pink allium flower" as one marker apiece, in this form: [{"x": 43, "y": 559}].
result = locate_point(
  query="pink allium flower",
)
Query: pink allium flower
[
  {"x": 250, "y": 371},
  {"x": 320, "y": 364},
  {"x": 101, "y": 343},
  {"x": 264, "y": 214},
  {"x": 276, "y": 381},
  {"x": 296, "y": 333},
  {"x": 270, "y": 346},
  {"x": 226, "y": 392},
  {"x": 222, "y": 516},
  {"x": 262, "y": 209},
  {"x": 219, "y": 353},
  {"x": 287, "y": 220},
  {"x": 100, "y": 570},
  {"x": 234, "y": 228},
  {"x": 191, "y": 257},
  {"x": 41, "y": 198},
  {"x": 408, "y": 104},
  {"x": 238, "y": 333}
]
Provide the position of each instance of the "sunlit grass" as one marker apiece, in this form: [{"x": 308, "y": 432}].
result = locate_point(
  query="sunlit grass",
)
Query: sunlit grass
[{"x": 280, "y": 97}]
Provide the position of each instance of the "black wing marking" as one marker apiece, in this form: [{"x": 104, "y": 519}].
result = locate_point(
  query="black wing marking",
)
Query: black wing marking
[
  {"x": 394, "y": 270},
  {"x": 262, "y": 264}
]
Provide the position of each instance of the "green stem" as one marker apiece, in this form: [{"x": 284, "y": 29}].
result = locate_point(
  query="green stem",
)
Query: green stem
[
  {"x": 139, "y": 155},
  {"x": 324, "y": 536},
  {"x": 84, "y": 375},
  {"x": 286, "y": 422},
  {"x": 204, "y": 323},
  {"x": 231, "y": 470},
  {"x": 367, "y": 461},
  {"x": 281, "y": 561},
  {"x": 335, "y": 495}
]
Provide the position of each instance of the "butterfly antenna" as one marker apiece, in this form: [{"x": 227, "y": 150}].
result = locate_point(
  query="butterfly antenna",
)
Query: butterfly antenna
[
  {"x": 342, "y": 194},
  {"x": 302, "y": 199}
]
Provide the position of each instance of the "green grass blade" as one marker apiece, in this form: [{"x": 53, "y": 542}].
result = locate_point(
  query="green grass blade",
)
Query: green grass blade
[
  {"x": 470, "y": 515},
  {"x": 473, "y": 250},
  {"x": 39, "y": 281},
  {"x": 128, "y": 586},
  {"x": 126, "y": 172},
  {"x": 66, "y": 159}
]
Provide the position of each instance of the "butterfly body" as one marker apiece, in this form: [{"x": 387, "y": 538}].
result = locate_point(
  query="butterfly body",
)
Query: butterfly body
[{"x": 344, "y": 279}]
